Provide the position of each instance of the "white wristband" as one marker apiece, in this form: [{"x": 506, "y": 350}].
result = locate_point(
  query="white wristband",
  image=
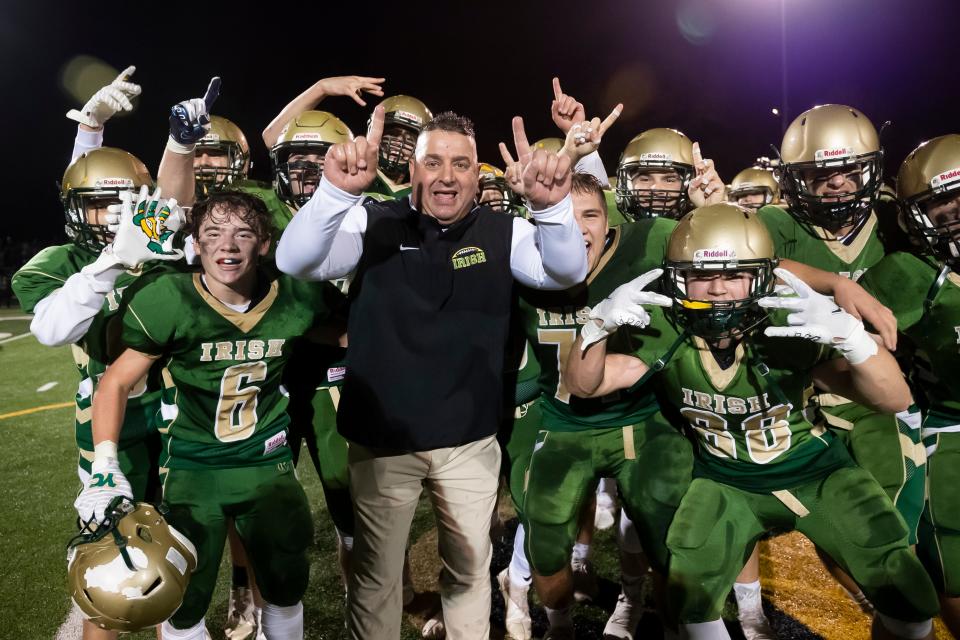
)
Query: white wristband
[
  {"x": 182, "y": 149},
  {"x": 858, "y": 347},
  {"x": 104, "y": 450}
]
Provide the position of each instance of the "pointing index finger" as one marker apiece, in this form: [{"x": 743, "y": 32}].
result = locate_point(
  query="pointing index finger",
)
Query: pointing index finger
[
  {"x": 126, "y": 73},
  {"x": 520, "y": 142},
  {"x": 610, "y": 119},
  {"x": 213, "y": 92},
  {"x": 376, "y": 127},
  {"x": 557, "y": 92},
  {"x": 697, "y": 156}
]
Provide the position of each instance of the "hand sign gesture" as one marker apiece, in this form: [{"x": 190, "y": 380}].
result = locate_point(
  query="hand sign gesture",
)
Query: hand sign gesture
[
  {"x": 706, "y": 187},
  {"x": 352, "y": 166},
  {"x": 625, "y": 306},
  {"x": 542, "y": 178},
  {"x": 352, "y": 86},
  {"x": 564, "y": 109},
  {"x": 107, "y": 101},
  {"x": 584, "y": 138},
  {"x": 190, "y": 119}
]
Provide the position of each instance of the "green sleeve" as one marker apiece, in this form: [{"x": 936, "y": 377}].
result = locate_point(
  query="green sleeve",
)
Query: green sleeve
[
  {"x": 43, "y": 274},
  {"x": 150, "y": 317},
  {"x": 782, "y": 227},
  {"x": 280, "y": 213},
  {"x": 614, "y": 217},
  {"x": 901, "y": 282},
  {"x": 650, "y": 343}
]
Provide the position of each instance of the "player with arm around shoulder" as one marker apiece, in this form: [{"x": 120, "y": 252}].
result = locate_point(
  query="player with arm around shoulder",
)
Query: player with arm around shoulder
[{"x": 763, "y": 458}]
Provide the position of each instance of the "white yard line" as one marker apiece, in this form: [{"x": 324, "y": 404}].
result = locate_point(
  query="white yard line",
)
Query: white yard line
[
  {"x": 2, "y": 318},
  {"x": 72, "y": 627},
  {"x": 47, "y": 386},
  {"x": 22, "y": 335}
]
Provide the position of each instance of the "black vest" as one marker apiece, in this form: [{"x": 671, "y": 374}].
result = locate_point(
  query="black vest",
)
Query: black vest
[{"x": 429, "y": 315}]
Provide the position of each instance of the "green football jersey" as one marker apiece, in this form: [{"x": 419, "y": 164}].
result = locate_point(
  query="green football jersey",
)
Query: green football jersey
[
  {"x": 755, "y": 423},
  {"x": 819, "y": 248},
  {"x": 280, "y": 213},
  {"x": 927, "y": 306},
  {"x": 552, "y": 320},
  {"x": 385, "y": 186},
  {"x": 222, "y": 402},
  {"x": 614, "y": 217},
  {"x": 45, "y": 273}
]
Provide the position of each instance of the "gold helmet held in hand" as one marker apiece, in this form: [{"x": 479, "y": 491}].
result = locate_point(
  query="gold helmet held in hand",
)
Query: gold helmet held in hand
[{"x": 132, "y": 571}]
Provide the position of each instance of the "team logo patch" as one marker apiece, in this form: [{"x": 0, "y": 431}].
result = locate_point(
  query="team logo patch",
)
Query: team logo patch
[
  {"x": 945, "y": 178},
  {"x": 123, "y": 183},
  {"x": 714, "y": 255},
  {"x": 467, "y": 257},
  {"x": 656, "y": 156},
  {"x": 275, "y": 442},
  {"x": 833, "y": 155},
  {"x": 336, "y": 373}
]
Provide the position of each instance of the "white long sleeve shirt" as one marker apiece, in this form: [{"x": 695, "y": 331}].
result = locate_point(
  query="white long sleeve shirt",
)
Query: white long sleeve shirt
[{"x": 324, "y": 241}]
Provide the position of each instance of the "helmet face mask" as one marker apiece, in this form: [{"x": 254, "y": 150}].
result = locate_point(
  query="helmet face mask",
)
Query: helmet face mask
[
  {"x": 397, "y": 146},
  {"x": 495, "y": 193},
  {"x": 655, "y": 151},
  {"x": 311, "y": 133},
  {"x": 939, "y": 233},
  {"x": 824, "y": 142},
  {"x": 637, "y": 203},
  {"x": 719, "y": 319},
  {"x": 91, "y": 183},
  {"x": 928, "y": 185},
  {"x": 297, "y": 179},
  {"x": 720, "y": 241},
  {"x": 131, "y": 571},
  {"x": 227, "y": 146},
  {"x": 799, "y": 183}
]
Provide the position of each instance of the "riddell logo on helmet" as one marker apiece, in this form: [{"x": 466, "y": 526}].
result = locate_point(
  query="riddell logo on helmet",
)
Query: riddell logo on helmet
[
  {"x": 306, "y": 136},
  {"x": 714, "y": 255},
  {"x": 210, "y": 138},
  {"x": 945, "y": 178},
  {"x": 126, "y": 183},
  {"x": 656, "y": 156},
  {"x": 833, "y": 154},
  {"x": 406, "y": 115}
]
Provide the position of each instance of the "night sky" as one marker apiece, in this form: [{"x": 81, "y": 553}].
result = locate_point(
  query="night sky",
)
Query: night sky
[{"x": 711, "y": 68}]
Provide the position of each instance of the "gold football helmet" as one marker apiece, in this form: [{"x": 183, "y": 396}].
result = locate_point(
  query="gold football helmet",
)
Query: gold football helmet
[
  {"x": 131, "y": 572},
  {"x": 223, "y": 140},
  {"x": 310, "y": 133},
  {"x": 94, "y": 181},
  {"x": 928, "y": 186},
  {"x": 824, "y": 141},
  {"x": 719, "y": 238},
  {"x": 754, "y": 182},
  {"x": 550, "y": 145},
  {"x": 495, "y": 192},
  {"x": 655, "y": 150},
  {"x": 403, "y": 119}
]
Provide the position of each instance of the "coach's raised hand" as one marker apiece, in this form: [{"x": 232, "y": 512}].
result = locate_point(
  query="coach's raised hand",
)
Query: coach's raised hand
[
  {"x": 352, "y": 166},
  {"x": 541, "y": 177}
]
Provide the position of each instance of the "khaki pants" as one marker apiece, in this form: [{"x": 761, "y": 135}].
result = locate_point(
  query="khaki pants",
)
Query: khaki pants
[{"x": 386, "y": 487}]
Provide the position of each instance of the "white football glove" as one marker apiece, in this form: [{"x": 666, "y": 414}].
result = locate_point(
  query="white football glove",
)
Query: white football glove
[
  {"x": 623, "y": 307},
  {"x": 817, "y": 317},
  {"x": 107, "y": 101},
  {"x": 106, "y": 483},
  {"x": 144, "y": 232}
]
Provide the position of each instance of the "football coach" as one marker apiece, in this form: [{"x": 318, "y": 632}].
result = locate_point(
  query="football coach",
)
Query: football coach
[{"x": 430, "y": 298}]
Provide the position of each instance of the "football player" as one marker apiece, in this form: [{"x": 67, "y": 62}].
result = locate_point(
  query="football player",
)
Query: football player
[
  {"x": 923, "y": 290},
  {"x": 764, "y": 458},
  {"x": 225, "y": 428},
  {"x": 830, "y": 173},
  {"x": 495, "y": 192},
  {"x": 404, "y": 119},
  {"x": 74, "y": 291},
  {"x": 754, "y": 188}
]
